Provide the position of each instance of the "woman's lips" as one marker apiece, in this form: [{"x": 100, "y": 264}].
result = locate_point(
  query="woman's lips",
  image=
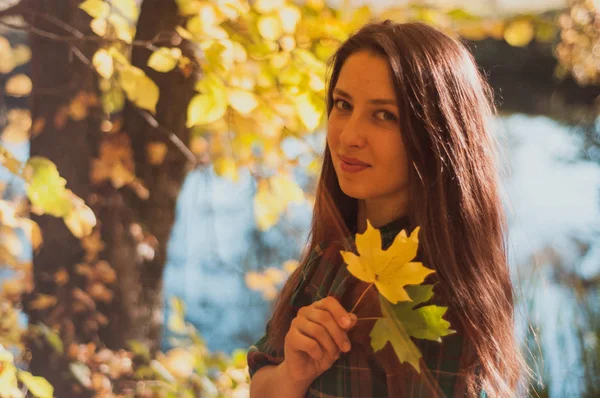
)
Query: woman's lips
[{"x": 351, "y": 165}]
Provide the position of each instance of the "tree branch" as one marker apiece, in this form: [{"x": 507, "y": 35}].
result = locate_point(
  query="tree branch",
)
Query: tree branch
[
  {"x": 172, "y": 136},
  {"x": 79, "y": 36}
]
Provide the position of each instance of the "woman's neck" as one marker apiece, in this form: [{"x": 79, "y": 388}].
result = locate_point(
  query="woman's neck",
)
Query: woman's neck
[{"x": 379, "y": 213}]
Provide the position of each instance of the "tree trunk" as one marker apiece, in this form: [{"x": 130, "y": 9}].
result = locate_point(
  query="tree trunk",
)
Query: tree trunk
[
  {"x": 58, "y": 77},
  {"x": 140, "y": 314}
]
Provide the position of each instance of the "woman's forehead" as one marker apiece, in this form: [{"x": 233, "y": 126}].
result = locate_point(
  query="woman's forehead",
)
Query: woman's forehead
[{"x": 366, "y": 76}]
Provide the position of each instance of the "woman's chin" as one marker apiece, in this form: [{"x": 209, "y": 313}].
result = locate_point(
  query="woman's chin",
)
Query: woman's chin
[{"x": 355, "y": 192}]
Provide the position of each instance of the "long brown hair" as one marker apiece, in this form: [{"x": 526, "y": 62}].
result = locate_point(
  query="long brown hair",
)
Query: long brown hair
[{"x": 445, "y": 112}]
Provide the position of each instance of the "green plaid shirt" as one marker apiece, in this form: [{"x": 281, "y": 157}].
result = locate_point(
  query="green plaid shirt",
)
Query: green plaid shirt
[{"x": 362, "y": 372}]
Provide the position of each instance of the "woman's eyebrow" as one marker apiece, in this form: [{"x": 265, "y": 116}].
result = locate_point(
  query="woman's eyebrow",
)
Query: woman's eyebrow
[{"x": 377, "y": 101}]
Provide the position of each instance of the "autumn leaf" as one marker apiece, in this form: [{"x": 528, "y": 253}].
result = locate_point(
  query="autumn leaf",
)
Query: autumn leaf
[
  {"x": 103, "y": 62},
  {"x": 18, "y": 86},
  {"x": 210, "y": 105},
  {"x": 47, "y": 188},
  {"x": 37, "y": 386},
  {"x": 95, "y": 8},
  {"x": 390, "y": 270},
  {"x": 402, "y": 321},
  {"x": 139, "y": 88},
  {"x": 519, "y": 33},
  {"x": 164, "y": 59},
  {"x": 42, "y": 302}
]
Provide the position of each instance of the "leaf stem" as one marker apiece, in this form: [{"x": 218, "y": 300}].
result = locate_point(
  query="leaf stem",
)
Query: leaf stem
[
  {"x": 361, "y": 297},
  {"x": 370, "y": 319}
]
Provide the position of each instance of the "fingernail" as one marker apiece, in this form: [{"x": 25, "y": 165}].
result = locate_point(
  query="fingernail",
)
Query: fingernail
[
  {"x": 346, "y": 321},
  {"x": 353, "y": 317},
  {"x": 346, "y": 347}
]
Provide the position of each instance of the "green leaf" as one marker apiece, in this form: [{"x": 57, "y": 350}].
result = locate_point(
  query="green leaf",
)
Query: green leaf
[
  {"x": 38, "y": 386},
  {"x": 47, "y": 188},
  {"x": 424, "y": 322},
  {"x": 388, "y": 329},
  {"x": 164, "y": 59},
  {"x": 52, "y": 338},
  {"x": 139, "y": 88},
  {"x": 95, "y": 8},
  {"x": 402, "y": 321}
]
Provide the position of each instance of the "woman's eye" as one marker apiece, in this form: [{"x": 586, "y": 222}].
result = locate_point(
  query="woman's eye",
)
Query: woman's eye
[
  {"x": 341, "y": 104},
  {"x": 386, "y": 116}
]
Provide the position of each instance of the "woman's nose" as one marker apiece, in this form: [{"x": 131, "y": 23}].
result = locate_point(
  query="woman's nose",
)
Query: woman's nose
[{"x": 353, "y": 133}]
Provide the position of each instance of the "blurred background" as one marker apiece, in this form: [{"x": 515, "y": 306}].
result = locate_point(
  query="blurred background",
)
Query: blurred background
[{"x": 158, "y": 161}]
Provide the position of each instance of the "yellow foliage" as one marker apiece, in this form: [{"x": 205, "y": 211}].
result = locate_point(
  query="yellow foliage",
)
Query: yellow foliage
[
  {"x": 139, "y": 88},
  {"x": 242, "y": 101},
  {"x": 210, "y": 105},
  {"x": 164, "y": 59},
  {"x": 390, "y": 270},
  {"x": 519, "y": 33},
  {"x": 19, "y": 85},
  {"x": 273, "y": 197},
  {"x": 95, "y": 8},
  {"x": 103, "y": 62}
]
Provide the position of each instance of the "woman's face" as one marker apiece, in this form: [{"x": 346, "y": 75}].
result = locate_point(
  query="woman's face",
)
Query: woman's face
[{"x": 363, "y": 132}]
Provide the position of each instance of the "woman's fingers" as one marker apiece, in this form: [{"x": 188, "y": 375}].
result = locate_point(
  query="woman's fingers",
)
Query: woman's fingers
[
  {"x": 319, "y": 333},
  {"x": 341, "y": 316},
  {"x": 325, "y": 319},
  {"x": 300, "y": 342}
]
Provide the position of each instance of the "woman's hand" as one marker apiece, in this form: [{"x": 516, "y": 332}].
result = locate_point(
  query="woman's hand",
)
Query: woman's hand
[{"x": 316, "y": 337}]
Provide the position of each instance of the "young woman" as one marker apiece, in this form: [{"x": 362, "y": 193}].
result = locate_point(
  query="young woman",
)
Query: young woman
[{"x": 408, "y": 144}]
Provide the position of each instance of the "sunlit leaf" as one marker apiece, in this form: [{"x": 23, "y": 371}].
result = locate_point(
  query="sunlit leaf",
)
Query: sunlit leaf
[
  {"x": 267, "y": 6},
  {"x": 126, "y": 8},
  {"x": 81, "y": 219},
  {"x": 19, "y": 125},
  {"x": 156, "y": 152},
  {"x": 18, "y": 86},
  {"x": 402, "y": 321},
  {"x": 8, "y": 380},
  {"x": 21, "y": 54},
  {"x": 103, "y": 62},
  {"x": 46, "y": 188},
  {"x": 390, "y": 270},
  {"x": 95, "y": 8},
  {"x": 519, "y": 33},
  {"x": 99, "y": 26},
  {"x": 188, "y": 7},
  {"x": 7, "y": 59},
  {"x": 82, "y": 373},
  {"x": 309, "y": 110},
  {"x": 242, "y": 101},
  {"x": 210, "y": 105},
  {"x": 37, "y": 386},
  {"x": 42, "y": 302},
  {"x": 290, "y": 16},
  {"x": 272, "y": 198},
  {"x": 164, "y": 59},
  {"x": 139, "y": 88},
  {"x": 122, "y": 27},
  {"x": 269, "y": 27}
]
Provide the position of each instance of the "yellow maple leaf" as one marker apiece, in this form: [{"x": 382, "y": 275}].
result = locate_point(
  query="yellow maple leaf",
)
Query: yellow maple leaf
[{"x": 390, "y": 270}]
